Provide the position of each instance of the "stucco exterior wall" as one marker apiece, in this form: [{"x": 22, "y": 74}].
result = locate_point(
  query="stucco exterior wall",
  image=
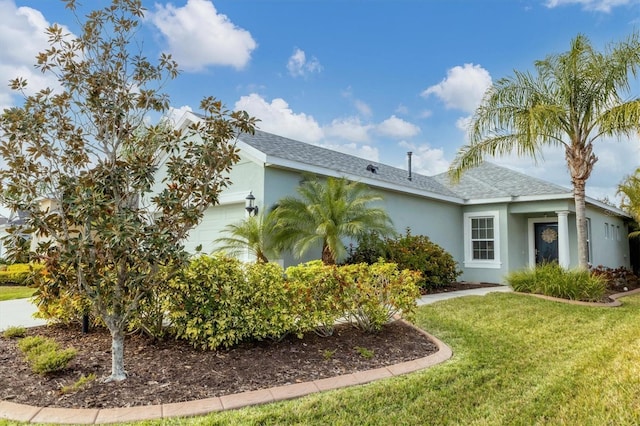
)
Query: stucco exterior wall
[{"x": 610, "y": 248}]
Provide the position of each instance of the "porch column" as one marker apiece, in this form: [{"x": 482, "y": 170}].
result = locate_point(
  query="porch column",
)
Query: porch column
[{"x": 563, "y": 238}]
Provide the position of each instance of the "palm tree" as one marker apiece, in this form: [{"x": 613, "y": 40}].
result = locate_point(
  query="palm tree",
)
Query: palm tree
[
  {"x": 575, "y": 99},
  {"x": 325, "y": 213},
  {"x": 630, "y": 191},
  {"x": 253, "y": 234}
]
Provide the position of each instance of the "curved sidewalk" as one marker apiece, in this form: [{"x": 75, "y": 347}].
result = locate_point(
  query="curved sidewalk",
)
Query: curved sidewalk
[{"x": 20, "y": 313}]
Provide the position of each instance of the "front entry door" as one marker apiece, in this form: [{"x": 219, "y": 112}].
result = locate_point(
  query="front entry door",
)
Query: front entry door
[{"x": 546, "y": 242}]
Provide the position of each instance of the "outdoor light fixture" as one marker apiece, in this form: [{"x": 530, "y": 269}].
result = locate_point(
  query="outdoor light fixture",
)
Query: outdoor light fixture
[{"x": 250, "y": 207}]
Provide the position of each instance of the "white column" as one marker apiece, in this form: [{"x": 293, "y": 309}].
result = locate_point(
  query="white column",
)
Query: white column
[{"x": 563, "y": 238}]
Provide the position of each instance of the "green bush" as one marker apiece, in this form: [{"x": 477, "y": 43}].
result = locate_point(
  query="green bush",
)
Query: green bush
[
  {"x": 322, "y": 293},
  {"x": 44, "y": 355},
  {"x": 273, "y": 309},
  {"x": 19, "y": 273},
  {"x": 207, "y": 298},
  {"x": 414, "y": 252},
  {"x": 14, "y": 331},
  {"x": 419, "y": 253},
  {"x": 378, "y": 292},
  {"x": 218, "y": 301},
  {"x": 52, "y": 361},
  {"x": 371, "y": 247},
  {"x": 551, "y": 279}
]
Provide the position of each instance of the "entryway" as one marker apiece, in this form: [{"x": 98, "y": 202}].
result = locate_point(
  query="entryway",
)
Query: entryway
[{"x": 546, "y": 242}]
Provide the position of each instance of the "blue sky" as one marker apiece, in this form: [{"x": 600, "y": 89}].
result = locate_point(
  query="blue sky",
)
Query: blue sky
[{"x": 371, "y": 78}]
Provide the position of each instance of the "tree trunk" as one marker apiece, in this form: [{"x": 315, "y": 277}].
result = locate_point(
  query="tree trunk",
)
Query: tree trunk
[
  {"x": 580, "y": 161},
  {"x": 118, "y": 372},
  {"x": 327, "y": 256},
  {"x": 581, "y": 224}
]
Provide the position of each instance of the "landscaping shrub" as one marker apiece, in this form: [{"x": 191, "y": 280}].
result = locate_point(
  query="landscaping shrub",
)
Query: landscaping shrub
[
  {"x": 57, "y": 303},
  {"x": 414, "y": 252},
  {"x": 617, "y": 279},
  {"x": 552, "y": 280},
  {"x": 218, "y": 301},
  {"x": 19, "y": 273},
  {"x": 321, "y": 293},
  {"x": 44, "y": 355},
  {"x": 13, "y": 332},
  {"x": 207, "y": 300},
  {"x": 378, "y": 292},
  {"x": 371, "y": 247},
  {"x": 274, "y": 307}
]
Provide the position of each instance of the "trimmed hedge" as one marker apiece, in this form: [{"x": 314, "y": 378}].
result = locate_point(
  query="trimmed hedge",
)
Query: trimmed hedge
[
  {"x": 218, "y": 301},
  {"x": 18, "y": 273}
]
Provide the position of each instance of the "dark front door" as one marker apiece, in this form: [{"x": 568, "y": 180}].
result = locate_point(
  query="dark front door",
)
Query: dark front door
[{"x": 546, "y": 242}]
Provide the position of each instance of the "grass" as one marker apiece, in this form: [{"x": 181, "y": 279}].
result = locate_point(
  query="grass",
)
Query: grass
[
  {"x": 551, "y": 279},
  {"x": 517, "y": 360},
  {"x": 11, "y": 292}
]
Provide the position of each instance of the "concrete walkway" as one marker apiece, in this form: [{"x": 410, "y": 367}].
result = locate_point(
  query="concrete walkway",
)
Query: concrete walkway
[
  {"x": 432, "y": 298},
  {"x": 20, "y": 313}
]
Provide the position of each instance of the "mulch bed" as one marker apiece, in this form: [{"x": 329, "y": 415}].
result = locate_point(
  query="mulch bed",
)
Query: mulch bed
[
  {"x": 167, "y": 371},
  {"x": 172, "y": 371}
]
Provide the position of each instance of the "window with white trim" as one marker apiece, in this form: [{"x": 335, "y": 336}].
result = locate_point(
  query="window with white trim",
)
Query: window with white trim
[
  {"x": 606, "y": 231},
  {"x": 482, "y": 243}
]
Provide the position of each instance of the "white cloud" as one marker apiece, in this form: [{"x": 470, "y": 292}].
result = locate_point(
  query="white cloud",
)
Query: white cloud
[
  {"x": 424, "y": 159},
  {"x": 463, "y": 88},
  {"x": 298, "y": 65},
  {"x": 198, "y": 36},
  {"x": 363, "y": 108},
  {"x": 349, "y": 128},
  {"x": 597, "y": 5},
  {"x": 175, "y": 114},
  {"x": 22, "y": 37},
  {"x": 397, "y": 128},
  {"x": 276, "y": 117}
]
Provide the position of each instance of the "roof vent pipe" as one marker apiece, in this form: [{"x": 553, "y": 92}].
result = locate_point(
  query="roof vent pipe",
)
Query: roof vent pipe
[{"x": 409, "y": 163}]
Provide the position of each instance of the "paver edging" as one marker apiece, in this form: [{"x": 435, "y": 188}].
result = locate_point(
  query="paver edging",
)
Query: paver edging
[
  {"x": 613, "y": 304},
  {"x": 28, "y": 413}
]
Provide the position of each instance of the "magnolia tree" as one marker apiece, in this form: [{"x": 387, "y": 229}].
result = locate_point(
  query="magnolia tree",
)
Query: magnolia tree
[{"x": 82, "y": 161}]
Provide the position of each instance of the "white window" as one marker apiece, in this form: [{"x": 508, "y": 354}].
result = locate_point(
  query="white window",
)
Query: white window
[
  {"x": 606, "y": 231},
  {"x": 618, "y": 233},
  {"x": 482, "y": 240}
]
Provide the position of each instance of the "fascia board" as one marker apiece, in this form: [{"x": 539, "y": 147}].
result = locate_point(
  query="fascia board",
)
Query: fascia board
[{"x": 251, "y": 153}]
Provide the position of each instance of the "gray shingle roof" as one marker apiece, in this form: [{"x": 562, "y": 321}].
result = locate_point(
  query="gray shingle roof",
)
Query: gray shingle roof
[
  {"x": 300, "y": 152},
  {"x": 492, "y": 181}
]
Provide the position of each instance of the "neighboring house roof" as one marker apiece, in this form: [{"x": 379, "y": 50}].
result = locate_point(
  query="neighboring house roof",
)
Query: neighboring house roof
[
  {"x": 492, "y": 181},
  {"x": 299, "y": 154}
]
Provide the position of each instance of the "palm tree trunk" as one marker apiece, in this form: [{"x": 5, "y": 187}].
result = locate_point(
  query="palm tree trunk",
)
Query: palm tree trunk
[
  {"x": 327, "y": 256},
  {"x": 581, "y": 223},
  {"x": 580, "y": 160}
]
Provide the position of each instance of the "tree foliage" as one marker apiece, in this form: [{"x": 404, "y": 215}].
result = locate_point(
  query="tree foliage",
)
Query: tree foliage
[
  {"x": 574, "y": 99},
  {"x": 325, "y": 212},
  {"x": 629, "y": 188},
  {"x": 253, "y": 234},
  {"x": 83, "y": 160}
]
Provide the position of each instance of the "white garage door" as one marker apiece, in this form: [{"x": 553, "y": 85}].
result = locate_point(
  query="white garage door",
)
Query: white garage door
[{"x": 214, "y": 221}]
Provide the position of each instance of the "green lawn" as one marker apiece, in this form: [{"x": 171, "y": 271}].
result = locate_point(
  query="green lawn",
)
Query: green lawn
[
  {"x": 15, "y": 292},
  {"x": 518, "y": 360}
]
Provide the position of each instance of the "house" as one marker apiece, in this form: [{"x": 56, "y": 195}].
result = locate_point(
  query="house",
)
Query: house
[{"x": 495, "y": 220}]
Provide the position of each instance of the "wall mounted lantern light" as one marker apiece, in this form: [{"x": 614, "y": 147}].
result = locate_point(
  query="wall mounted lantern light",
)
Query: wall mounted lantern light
[{"x": 250, "y": 206}]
